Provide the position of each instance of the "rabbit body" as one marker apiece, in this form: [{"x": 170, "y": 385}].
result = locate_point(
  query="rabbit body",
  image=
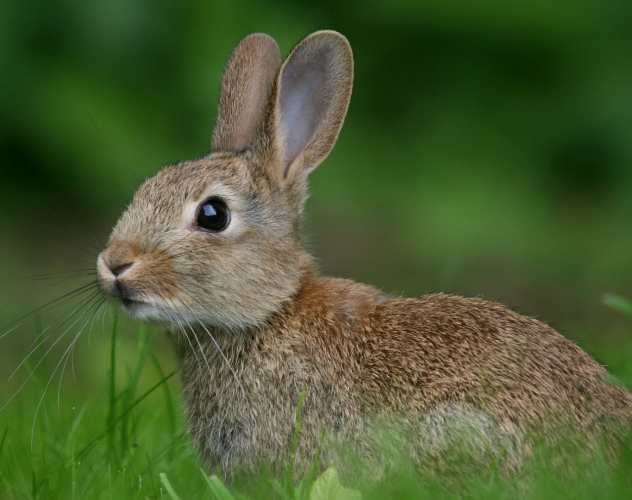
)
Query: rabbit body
[
  {"x": 433, "y": 367},
  {"x": 213, "y": 249}
]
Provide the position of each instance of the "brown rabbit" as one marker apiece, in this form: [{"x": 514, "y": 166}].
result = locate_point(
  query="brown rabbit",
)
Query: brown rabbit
[{"x": 213, "y": 249}]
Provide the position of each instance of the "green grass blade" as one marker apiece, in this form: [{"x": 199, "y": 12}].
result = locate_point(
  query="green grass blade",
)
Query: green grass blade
[
  {"x": 111, "y": 416},
  {"x": 118, "y": 419},
  {"x": 144, "y": 344},
  {"x": 219, "y": 491},
  {"x": 4, "y": 438},
  {"x": 328, "y": 487},
  {"x": 618, "y": 303},
  {"x": 168, "y": 487},
  {"x": 172, "y": 412},
  {"x": 289, "y": 475},
  {"x": 281, "y": 490}
]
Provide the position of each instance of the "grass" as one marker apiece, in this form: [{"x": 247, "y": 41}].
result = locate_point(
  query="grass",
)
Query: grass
[
  {"x": 113, "y": 443},
  {"x": 129, "y": 441}
]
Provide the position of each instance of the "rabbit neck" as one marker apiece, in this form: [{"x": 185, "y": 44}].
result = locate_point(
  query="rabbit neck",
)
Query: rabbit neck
[{"x": 208, "y": 339}]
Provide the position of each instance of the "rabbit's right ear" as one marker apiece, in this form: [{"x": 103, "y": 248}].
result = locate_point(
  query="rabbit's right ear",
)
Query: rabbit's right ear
[{"x": 248, "y": 79}]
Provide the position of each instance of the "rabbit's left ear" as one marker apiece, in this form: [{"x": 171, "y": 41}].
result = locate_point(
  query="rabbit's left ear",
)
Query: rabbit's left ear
[
  {"x": 313, "y": 92},
  {"x": 248, "y": 79}
]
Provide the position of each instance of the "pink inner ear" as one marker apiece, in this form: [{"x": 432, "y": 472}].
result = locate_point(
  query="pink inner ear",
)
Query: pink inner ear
[{"x": 304, "y": 101}]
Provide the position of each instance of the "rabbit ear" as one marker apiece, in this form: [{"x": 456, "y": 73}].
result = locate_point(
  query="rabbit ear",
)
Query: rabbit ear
[
  {"x": 313, "y": 92},
  {"x": 248, "y": 78}
]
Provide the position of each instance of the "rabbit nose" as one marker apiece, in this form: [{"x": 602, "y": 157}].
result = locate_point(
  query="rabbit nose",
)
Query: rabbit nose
[
  {"x": 118, "y": 258},
  {"x": 117, "y": 270}
]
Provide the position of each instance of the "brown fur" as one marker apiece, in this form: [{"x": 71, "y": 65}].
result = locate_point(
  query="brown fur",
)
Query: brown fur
[{"x": 254, "y": 325}]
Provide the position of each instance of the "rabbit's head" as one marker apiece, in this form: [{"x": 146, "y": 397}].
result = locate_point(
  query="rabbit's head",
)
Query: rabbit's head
[{"x": 217, "y": 240}]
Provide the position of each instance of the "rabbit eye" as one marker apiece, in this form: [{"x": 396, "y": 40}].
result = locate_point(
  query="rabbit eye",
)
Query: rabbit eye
[{"x": 213, "y": 215}]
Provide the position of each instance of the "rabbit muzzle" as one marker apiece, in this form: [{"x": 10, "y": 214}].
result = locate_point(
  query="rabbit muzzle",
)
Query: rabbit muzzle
[{"x": 127, "y": 273}]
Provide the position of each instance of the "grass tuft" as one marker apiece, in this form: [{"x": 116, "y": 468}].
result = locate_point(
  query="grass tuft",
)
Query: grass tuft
[{"x": 133, "y": 444}]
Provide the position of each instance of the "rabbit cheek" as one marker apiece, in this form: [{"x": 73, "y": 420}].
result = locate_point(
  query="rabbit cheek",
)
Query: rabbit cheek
[{"x": 159, "y": 279}]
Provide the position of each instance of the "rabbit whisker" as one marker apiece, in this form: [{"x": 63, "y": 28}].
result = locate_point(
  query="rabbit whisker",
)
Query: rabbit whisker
[
  {"x": 65, "y": 220},
  {"x": 65, "y": 356},
  {"x": 48, "y": 351},
  {"x": 56, "y": 302},
  {"x": 90, "y": 243},
  {"x": 32, "y": 348},
  {"x": 230, "y": 367}
]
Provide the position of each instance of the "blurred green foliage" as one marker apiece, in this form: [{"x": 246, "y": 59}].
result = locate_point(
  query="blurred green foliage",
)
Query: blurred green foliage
[{"x": 487, "y": 150}]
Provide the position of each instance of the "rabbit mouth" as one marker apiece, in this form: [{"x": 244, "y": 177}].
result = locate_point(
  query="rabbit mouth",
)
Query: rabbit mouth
[
  {"x": 143, "y": 310},
  {"x": 131, "y": 304},
  {"x": 140, "y": 309}
]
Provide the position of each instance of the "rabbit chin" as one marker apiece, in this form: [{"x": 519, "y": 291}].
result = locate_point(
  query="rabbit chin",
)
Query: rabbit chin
[{"x": 179, "y": 319}]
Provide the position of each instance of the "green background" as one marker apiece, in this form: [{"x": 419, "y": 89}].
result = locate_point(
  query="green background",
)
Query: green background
[{"x": 487, "y": 150}]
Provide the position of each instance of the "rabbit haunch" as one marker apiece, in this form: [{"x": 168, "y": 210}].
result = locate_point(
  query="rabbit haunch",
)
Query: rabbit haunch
[{"x": 254, "y": 325}]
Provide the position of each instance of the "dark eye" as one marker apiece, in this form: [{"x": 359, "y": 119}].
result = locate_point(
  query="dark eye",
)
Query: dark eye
[{"x": 213, "y": 215}]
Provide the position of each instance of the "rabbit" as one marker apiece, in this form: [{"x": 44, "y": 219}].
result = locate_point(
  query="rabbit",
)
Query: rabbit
[{"x": 213, "y": 249}]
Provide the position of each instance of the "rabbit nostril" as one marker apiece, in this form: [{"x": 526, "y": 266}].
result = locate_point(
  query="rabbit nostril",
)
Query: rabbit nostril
[{"x": 118, "y": 270}]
